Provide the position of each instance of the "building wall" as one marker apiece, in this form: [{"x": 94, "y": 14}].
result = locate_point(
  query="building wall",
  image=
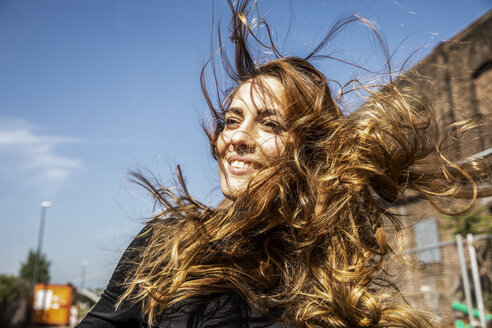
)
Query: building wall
[
  {"x": 457, "y": 80},
  {"x": 431, "y": 287}
]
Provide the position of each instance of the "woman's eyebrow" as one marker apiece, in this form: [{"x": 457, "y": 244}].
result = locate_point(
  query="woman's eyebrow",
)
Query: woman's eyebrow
[
  {"x": 234, "y": 110},
  {"x": 264, "y": 112}
]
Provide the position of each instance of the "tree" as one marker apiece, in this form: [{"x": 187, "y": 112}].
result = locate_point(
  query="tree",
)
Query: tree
[
  {"x": 12, "y": 291},
  {"x": 27, "y": 268},
  {"x": 475, "y": 222}
]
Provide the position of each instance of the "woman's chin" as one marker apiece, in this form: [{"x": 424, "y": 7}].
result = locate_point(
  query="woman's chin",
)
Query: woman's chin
[
  {"x": 233, "y": 186},
  {"x": 231, "y": 192}
]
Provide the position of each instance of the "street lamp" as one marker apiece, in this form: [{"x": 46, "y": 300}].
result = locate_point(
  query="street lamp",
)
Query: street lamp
[
  {"x": 35, "y": 276},
  {"x": 82, "y": 274}
]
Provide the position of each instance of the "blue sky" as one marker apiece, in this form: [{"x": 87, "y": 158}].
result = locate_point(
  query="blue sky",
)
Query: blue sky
[{"x": 90, "y": 89}]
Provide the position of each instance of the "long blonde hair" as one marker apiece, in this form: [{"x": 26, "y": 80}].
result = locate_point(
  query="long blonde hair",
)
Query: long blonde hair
[{"x": 307, "y": 245}]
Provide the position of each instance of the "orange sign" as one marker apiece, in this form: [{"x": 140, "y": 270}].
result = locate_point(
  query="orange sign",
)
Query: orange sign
[{"x": 52, "y": 304}]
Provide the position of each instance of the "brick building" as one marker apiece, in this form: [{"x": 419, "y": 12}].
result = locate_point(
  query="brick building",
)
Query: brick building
[{"x": 457, "y": 79}]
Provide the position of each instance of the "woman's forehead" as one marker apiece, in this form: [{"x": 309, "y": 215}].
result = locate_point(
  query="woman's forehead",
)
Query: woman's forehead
[{"x": 262, "y": 92}]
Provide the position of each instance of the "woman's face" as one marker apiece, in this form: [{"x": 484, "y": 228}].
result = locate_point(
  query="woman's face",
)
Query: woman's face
[{"x": 254, "y": 133}]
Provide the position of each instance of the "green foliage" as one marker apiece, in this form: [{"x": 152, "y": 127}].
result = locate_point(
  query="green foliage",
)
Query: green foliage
[
  {"x": 475, "y": 222},
  {"x": 27, "y": 268},
  {"x": 12, "y": 289},
  {"x": 487, "y": 301}
]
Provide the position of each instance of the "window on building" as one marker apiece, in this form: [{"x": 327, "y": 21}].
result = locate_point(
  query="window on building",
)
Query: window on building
[{"x": 426, "y": 233}]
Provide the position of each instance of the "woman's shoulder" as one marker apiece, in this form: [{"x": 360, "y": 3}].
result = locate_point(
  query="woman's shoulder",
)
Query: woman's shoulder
[{"x": 226, "y": 310}]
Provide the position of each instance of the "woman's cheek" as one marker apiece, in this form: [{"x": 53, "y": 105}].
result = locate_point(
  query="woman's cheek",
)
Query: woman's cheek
[
  {"x": 273, "y": 147},
  {"x": 221, "y": 145}
]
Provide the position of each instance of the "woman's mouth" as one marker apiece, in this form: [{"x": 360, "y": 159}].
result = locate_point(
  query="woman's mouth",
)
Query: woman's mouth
[
  {"x": 241, "y": 164},
  {"x": 241, "y": 167}
]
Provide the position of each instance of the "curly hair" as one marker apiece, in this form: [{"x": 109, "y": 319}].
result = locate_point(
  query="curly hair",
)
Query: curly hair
[{"x": 306, "y": 243}]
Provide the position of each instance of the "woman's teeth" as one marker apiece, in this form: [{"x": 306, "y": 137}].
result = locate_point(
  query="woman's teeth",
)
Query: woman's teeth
[{"x": 241, "y": 165}]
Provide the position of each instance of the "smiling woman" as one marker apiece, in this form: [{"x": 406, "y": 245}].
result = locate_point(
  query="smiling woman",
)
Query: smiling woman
[
  {"x": 301, "y": 239},
  {"x": 254, "y": 133}
]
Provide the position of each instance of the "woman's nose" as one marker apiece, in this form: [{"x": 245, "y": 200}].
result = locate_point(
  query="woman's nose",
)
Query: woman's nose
[{"x": 243, "y": 140}]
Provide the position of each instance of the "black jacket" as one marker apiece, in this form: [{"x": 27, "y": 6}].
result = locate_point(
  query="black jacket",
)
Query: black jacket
[{"x": 211, "y": 310}]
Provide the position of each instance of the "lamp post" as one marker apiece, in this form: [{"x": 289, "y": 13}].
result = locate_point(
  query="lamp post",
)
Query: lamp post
[
  {"x": 82, "y": 274},
  {"x": 35, "y": 276}
]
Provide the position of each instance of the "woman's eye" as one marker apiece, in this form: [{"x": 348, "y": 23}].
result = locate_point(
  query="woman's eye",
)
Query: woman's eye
[
  {"x": 231, "y": 121},
  {"x": 275, "y": 126}
]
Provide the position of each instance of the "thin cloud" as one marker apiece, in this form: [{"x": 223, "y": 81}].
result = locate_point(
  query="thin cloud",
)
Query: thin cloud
[{"x": 35, "y": 159}]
